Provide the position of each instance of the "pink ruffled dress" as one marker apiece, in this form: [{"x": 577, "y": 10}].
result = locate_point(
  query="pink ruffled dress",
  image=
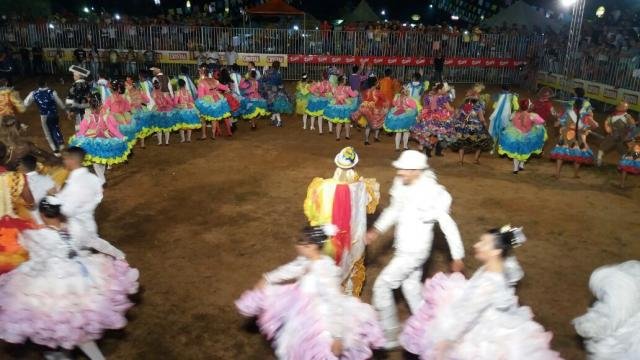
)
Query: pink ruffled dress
[
  {"x": 303, "y": 318},
  {"x": 59, "y": 300}
]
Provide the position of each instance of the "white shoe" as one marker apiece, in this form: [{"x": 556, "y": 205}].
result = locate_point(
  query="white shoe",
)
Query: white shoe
[{"x": 391, "y": 344}]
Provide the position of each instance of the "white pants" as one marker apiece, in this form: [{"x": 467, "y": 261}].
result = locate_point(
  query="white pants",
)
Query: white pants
[{"x": 404, "y": 270}]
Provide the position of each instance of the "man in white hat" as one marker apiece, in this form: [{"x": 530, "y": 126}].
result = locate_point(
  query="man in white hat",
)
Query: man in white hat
[
  {"x": 417, "y": 203},
  {"x": 344, "y": 200}
]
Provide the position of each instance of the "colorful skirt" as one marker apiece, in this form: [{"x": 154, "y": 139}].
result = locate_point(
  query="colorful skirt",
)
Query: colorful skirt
[
  {"x": 572, "y": 154},
  {"x": 301, "y": 103},
  {"x": 66, "y": 302},
  {"x": 401, "y": 122},
  {"x": 253, "y": 108},
  {"x": 630, "y": 163},
  {"x": 289, "y": 318},
  {"x": 187, "y": 119},
  {"x": 213, "y": 110},
  {"x": 166, "y": 120},
  {"x": 316, "y": 105},
  {"x": 106, "y": 151},
  {"x": 373, "y": 116},
  {"x": 471, "y": 136},
  {"x": 521, "y": 146},
  {"x": 281, "y": 104},
  {"x": 143, "y": 120},
  {"x": 234, "y": 103},
  {"x": 508, "y": 335},
  {"x": 339, "y": 113}
]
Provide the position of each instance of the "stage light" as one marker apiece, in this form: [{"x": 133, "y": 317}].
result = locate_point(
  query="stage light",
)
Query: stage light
[
  {"x": 86, "y": 9},
  {"x": 339, "y": 21},
  {"x": 415, "y": 17},
  {"x": 481, "y": 17},
  {"x": 383, "y": 13},
  {"x": 412, "y": 25},
  {"x": 430, "y": 6},
  {"x": 188, "y": 5},
  {"x": 600, "y": 11},
  {"x": 567, "y": 3},
  {"x": 51, "y": 26},
  {"x": 117, "y": 16},
  {"x": 455, "y": 17},
  {"x": 157, "y": 2},
  {"x": 296, "y": 28}
]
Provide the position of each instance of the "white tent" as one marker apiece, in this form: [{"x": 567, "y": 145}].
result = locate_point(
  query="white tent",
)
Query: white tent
[{"x": 522, "y": 13}]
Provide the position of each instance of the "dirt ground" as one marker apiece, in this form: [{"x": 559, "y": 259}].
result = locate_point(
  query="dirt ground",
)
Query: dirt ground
[{"x": 202, "y": 221}]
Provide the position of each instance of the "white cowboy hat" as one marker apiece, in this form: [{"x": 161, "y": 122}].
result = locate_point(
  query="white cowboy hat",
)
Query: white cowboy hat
[
  {"x": 347, "y": 158},
  {"x": 411, "y": 160}
]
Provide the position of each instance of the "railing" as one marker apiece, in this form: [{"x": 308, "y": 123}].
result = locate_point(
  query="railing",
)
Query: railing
[
  {"x": 619, "y": 73},
  {"x": 288, "y": 41}
]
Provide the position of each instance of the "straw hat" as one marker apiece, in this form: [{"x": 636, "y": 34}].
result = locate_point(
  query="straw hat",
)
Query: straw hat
[
  {"x": 347, "y": 158},
  {"x": 411, "y": 160}
]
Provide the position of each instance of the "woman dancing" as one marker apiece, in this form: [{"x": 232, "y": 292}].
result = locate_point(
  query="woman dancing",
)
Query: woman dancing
[
  {"x": 253, "y": 104},
  {"x": 82, "y": 285},
  {"x": 189, "y": 118},
  {"x": 340, "y": 107},
  {"x": 302, "y": 100},
  {"x": 212, "y": 105},
  {"x": 523, "y": 136},
  {"x": 630, "y": 162},
  {"x": 435, "y": 127},
  {"x": 575, "y": 125},
  {"x": 401, "y": 118},
  {"x": 321, "y": 92},
  {"x": 373, "y": 109},
  {"x": 479, "y": 318},
  {"x": 301, "y": 308},
  {"x": 471, "y": 127},
  {"x": 277, "y": 98}
]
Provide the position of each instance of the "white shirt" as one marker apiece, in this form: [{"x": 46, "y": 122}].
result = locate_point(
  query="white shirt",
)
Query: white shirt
[
  {"x": 39, "y": 185},
  {"x": 414, "y": 210},
  {"x": 80, "y": 196},
  {"x": 230, "y": 57}
]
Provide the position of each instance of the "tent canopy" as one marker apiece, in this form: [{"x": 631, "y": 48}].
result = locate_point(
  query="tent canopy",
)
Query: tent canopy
[
  {"x": 273, "y": 8},
  {"x": 362, "y": 13},
  {"x": 521, "y": 13}
]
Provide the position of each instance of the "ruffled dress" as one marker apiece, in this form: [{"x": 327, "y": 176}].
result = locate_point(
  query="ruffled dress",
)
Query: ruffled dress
[
  {"x": 572, "y": 147},
  {"x": 434, "y": 120},
  {"x": 321, "y": 93},
  {"x": 253, "y": 104},
  {"x": 100, "y": 137},
  {"x": 142, "y": 117},
  {"x": 303, "y": 318},
  {"x": 211, "y": 104},
  {"x": 523, "y": 136},
  {"x": 11, "y": 253},
  {"x": 373, "y": 109},
  {"x": 340, "y": 108},
  {"x": 57, "y": 300},
  {"x": 165, "y": 116},
  {"x": 471, "y": 134},
  {"x": 277, "y": 98},
  {"x": 481, "y": 319},
  {"x": 630, "y": 162},
  {"x": 188, "y": 116},
  {"x": 118, "y": 106},
  {"x": 302, "y": 97},
  {"x": 402, "y": 116}
]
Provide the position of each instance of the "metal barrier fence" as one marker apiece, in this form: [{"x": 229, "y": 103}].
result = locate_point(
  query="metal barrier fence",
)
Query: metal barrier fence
[
  {"x": 619, "y": 73},
  {"x": 288, "y": 41}
]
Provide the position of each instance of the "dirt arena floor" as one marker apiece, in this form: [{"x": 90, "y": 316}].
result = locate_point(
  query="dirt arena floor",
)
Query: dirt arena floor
[{"x": 202, "y": 221}]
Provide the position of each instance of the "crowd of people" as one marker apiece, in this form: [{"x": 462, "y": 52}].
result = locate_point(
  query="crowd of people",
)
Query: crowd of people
[{"x": 309, "y": 308}]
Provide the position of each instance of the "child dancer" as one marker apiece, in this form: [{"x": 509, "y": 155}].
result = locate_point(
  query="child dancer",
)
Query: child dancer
[
  {"x": 140, "y": 103},
  {"x": 212, "y": 106},
  {"x": 119, "y": 107},
  {"x": 479, "y": 318},
  {"x": 232, "y": 95},
  {"x": 277, "y": 98},
  {"x": 373, "y": 108},
  {"x": 302, "y": 100},
  {"x": 318, "y": 100},
  {"x": 165, "y": 119},
  {"x": 401, "y": 118},
  {"x": 99, "y": 136},
  {"x": 301, "y": 307},
  {"x": 254, "y": 105},
  {"x": 524, "y": 136},
  {"x": 80, "y": 293},
  {"x": 189, "y": 118},
  {"x": 576, "y": 124},
  {"x": 435, "y": 125},
  {"x": 339, "y": 109}
]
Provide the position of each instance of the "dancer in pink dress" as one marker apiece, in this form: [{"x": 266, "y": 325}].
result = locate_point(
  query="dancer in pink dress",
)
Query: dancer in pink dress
[
  {"x": 478, "y": 318},
  {"x": 212, "y": 105},
  {"x": 301, "y": 308},
  {"x": 165, "y": 119},
  {"x": 186, "y": 109},
  {"x": 373, "y": 109}
]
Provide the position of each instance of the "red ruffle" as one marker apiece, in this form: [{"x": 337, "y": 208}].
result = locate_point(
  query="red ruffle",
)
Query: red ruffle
[
  {"x": 630, "y": 169},
  {"x": 15, "y": 223}
]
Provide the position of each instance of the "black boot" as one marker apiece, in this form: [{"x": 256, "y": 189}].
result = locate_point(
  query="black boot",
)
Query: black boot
[
  {"x": 427, "y": 151},
  {"x": 439, "y": 149}
]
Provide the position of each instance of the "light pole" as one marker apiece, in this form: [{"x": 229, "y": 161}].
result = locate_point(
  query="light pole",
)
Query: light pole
[{"x": 570, "y": 66}]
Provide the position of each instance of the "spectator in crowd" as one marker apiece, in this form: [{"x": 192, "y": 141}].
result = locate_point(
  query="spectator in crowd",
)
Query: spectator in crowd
[
  {"x": 80, "y": 56},
  {"x": 230, "y": 56},
  {"x": 438, "y": 66},
  {"x": 94, "y": 62},
  {"x": 149, "y": 57},
  {"x": 114, "y": 62},
  {"x": 132, "y": 61}
]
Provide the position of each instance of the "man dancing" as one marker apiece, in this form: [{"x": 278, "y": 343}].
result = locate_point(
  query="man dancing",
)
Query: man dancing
[
  {"x": 48, "y": 102},
  {"x": 417, "y": 203},
  {"x": 344, "y": 200},
  {"x": 78, "y": 97}
]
